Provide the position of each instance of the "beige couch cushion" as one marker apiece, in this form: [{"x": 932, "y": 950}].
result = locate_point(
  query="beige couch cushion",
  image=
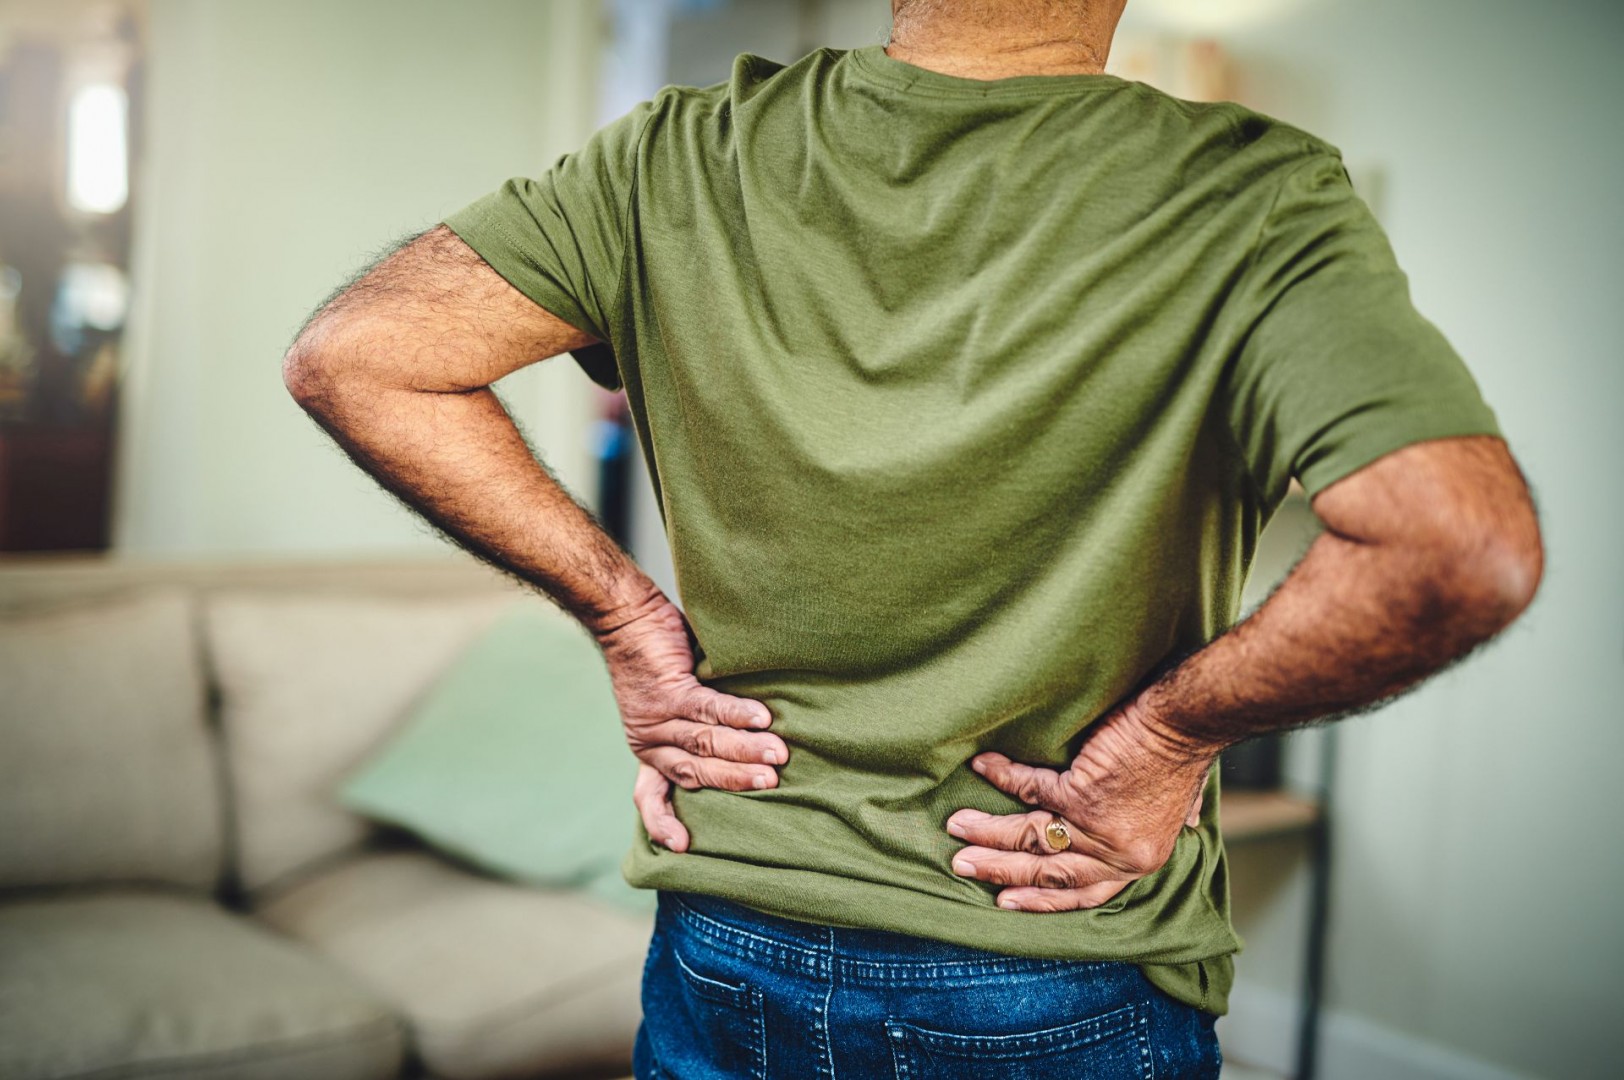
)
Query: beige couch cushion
[
  {"x": 142, "y": 983},
  {"x": 496, "y": 980},
  {"x": 106, "y": 768},
  {"x": 309, "y": 686}
]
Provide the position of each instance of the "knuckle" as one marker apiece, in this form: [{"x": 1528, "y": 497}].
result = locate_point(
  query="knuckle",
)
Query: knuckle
[
  {"x": 1028, "y": 789},
  {"x": 705, "y": 709},
  {"x": 728, "y": 747},
  {"x": 1143, "y": 857},
  {"x": 686, "y": 773},
  {"x": 1053, "y": 875},
  {"x": 1031, "y": 838},
  {"x": 996, "y": 872},
  {"x": 737, "y": 713},
  {"x": 726, "y": 777},
  {"x": 690, "y": 707}
]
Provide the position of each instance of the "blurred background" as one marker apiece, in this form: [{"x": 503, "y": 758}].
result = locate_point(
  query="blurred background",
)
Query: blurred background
[{"x": 182, "y": 181}]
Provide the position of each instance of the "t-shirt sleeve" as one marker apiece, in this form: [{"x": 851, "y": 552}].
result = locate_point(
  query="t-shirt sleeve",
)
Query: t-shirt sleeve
[
  {"x": 1335, "y": 367},
  {"x": 559, "y": 237}
]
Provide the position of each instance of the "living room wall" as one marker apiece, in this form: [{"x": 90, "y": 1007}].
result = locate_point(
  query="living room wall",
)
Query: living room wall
[
  {"x": 285, "y": 143},
  {"x": 1476, "y": 881},
  {"x": 1474, "y": 929}
]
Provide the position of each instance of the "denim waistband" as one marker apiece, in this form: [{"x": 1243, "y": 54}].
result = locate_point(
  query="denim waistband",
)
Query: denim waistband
[{"x": 861, "y": 954}]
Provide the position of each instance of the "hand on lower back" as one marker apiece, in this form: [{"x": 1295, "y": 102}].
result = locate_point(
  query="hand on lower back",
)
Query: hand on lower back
[
  {"x": 682, "y": 731},
  {"x": 1124, "y": 800}
]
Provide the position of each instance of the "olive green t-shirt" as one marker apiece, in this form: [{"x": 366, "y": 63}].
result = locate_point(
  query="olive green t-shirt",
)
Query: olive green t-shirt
[{"x": 965, "y": 403}]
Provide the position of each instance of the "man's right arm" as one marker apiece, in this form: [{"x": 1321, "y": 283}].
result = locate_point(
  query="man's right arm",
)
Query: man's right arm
[{"x": 398, "y": 368}]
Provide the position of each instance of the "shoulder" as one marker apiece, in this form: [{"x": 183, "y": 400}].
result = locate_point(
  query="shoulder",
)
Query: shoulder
[
  {"x": 1175, "y": 145},
  {"x": 1241, "y": 150},
  {"x": 684, "y": 121},
  {"x": 1274, "y": 150},
  {"x": 750, "y": 76},
  {"x": 1236, "y": 126}
]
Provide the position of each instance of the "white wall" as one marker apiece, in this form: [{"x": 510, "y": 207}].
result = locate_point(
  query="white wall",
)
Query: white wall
[
  {"x": 285, "y": 142},
  {"x": 1478, "y": 879}
]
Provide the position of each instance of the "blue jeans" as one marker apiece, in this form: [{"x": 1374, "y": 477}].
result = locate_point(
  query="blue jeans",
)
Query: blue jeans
[{"x": 731, "y": 992}]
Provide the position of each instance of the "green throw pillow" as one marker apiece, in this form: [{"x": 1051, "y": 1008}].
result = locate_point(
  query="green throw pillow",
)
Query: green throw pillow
[{"x": 515, "y": 761}]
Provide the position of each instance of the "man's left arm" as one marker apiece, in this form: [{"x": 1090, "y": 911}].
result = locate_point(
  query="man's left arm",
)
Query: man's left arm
[
  {"x": 1431, "y": 546},
  {"x": 1427, "y": 553}
]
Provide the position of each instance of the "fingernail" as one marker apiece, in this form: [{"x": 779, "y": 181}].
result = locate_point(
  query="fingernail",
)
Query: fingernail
[
  {"x": 963, "y": 866},
  {"x": 759, "y": 781},
  {"x": 978, "y": 765},
  {"x": 771, "y": 757},
  {"x": 761, "y": 720},
  {"x": 1009, "y": 905},
  {"x": 955, "y": 829}
]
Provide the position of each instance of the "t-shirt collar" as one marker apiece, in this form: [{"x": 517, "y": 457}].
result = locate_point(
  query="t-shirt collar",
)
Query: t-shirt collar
[{"x": 874, "y": 62}]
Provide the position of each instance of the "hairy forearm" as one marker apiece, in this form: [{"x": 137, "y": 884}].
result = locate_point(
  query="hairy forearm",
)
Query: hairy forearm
[
  {"x": 1368, "y": 612},
  {"x": 458, "y": 459},
  {"x": 1351, "y": 626},
  {"x": 397, "y": 366}
]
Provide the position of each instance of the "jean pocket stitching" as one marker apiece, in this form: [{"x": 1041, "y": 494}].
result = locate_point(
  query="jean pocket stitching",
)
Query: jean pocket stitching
[
  {"x": 736, "y": 994},
  {"x": 1128, "y": 1020},
  {"x": 737, "y": 936},
  {"x": 742, "y": 996}
]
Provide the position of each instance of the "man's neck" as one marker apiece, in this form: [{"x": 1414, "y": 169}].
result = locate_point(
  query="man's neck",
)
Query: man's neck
[
  {"x": 980, "y": 62},
  {"x": 973, "y": 40}
]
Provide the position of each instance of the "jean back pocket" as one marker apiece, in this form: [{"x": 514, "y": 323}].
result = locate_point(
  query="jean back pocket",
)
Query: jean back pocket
[
  {"x": 726, "y": 1022},
  {"x": 1111, "y": 1046}
]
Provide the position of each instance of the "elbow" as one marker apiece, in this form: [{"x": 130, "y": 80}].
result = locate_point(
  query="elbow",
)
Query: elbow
[
  {"x": 1492, "y": 577},
  {"x": 1516, "y": 572},
  {"x": 312, "y": 373},
  {"x": 301, "y": 372}
]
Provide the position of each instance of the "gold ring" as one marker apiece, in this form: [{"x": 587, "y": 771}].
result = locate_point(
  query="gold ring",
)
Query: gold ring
[{"x": 1059, "y": 836}]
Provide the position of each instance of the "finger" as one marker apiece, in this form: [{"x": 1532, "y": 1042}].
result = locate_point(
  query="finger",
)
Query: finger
[
  {"x": 709, "y": 706},
  {"x": 1023, "y": 898},
  {"x": 690, "y": 771},
  {"x": 651, "y": 792},
  {"x": 1027, "y": 832},
  {"x": 717, "y": 741},
  {"x": 1066, "y": 870},
  {"x": 1032, "y": 785}
]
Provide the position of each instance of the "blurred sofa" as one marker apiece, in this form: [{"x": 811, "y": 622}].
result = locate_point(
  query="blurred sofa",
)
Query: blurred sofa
[{"x": 182, "y": 895}]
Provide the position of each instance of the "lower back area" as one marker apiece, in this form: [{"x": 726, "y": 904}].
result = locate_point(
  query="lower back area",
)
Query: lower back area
[{"x": 863, "y": 844}]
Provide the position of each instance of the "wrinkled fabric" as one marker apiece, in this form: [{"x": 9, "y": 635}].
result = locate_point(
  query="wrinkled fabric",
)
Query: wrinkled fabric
[{"x": 965, "y": 403}]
